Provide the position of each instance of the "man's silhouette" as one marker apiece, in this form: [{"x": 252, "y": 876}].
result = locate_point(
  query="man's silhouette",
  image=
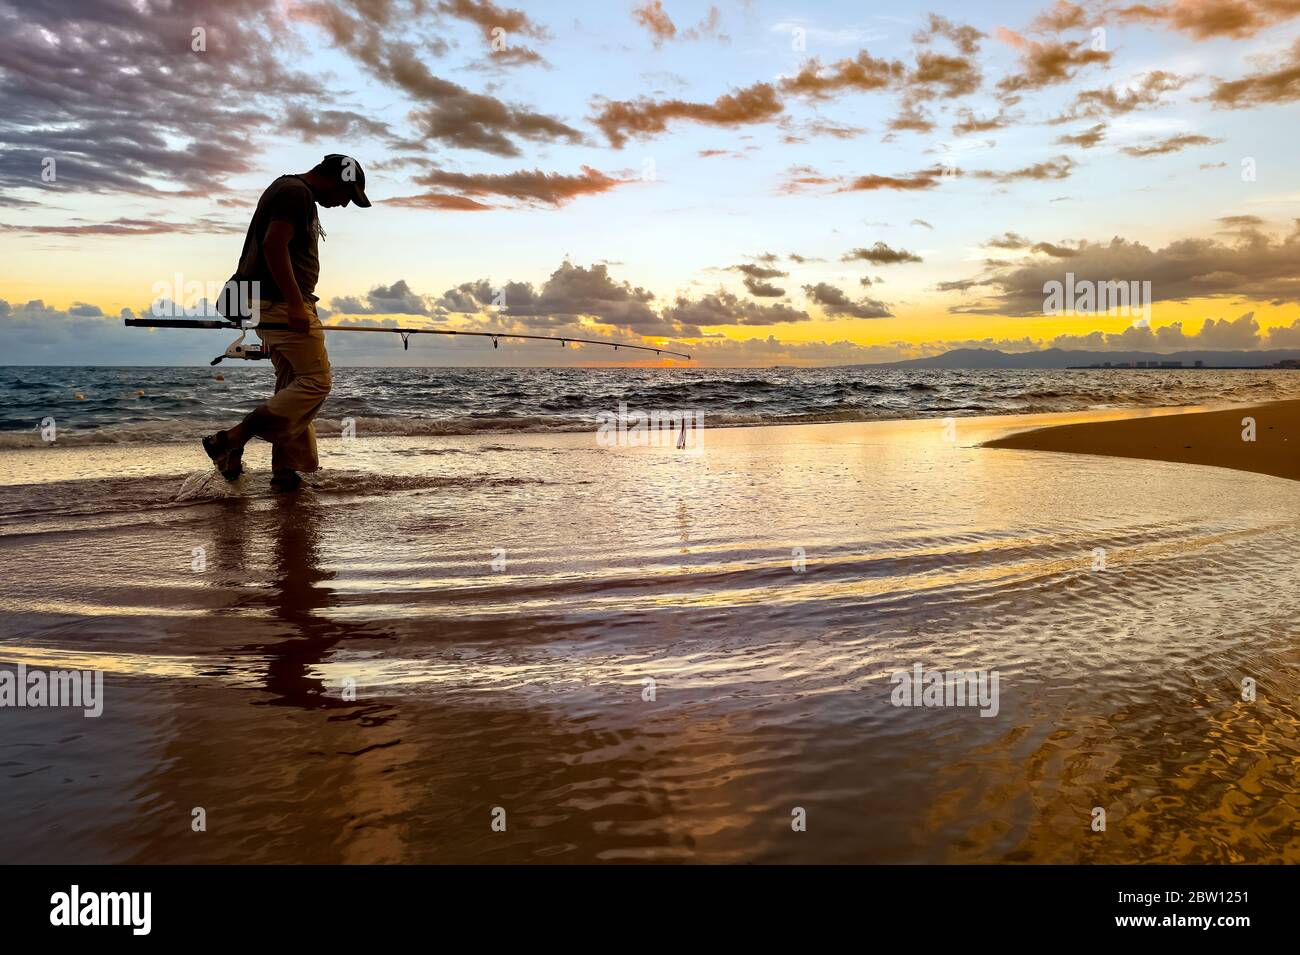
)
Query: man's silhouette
[{"x": 280, "y": 253}]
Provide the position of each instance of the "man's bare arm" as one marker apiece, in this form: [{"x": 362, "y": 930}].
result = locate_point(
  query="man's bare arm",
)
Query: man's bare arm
[{"x": 275, "y": 248}]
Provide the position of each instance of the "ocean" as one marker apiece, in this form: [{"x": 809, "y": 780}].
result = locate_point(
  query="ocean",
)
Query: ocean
[{"x": 113, "y": 405}]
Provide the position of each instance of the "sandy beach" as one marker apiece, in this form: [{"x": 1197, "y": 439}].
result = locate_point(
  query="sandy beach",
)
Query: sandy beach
[
  {"x": 1260, "y": 438},
  {"x": 647, "y": 654}
]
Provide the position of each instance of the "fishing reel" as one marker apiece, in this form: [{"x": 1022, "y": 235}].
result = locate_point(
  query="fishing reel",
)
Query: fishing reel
[{"x": 237, "y": 349}]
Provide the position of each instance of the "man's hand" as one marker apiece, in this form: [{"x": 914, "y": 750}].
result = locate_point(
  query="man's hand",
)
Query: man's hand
[
  {"x": 275, "y": 249},
  {"x": 299, "y": 317}
]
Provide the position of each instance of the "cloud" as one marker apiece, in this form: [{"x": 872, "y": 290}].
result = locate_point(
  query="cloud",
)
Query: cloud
[
  {"x": 1047, "y": 63},
  {"x": 755, "y": 277},
  {"x": 1242, "y": 333},
  {"x": 338, "y": 124},
  {"x": 1206, "y": 19},
  {"x": 821, "y": 127},
  {"x": 1085, "y": 139},
  {"x": 941, "y": 75},
  {"x": 724, "y": 308},
  {"x": 445, "y": 201},
  {"x": 396, "y": 299},
  {"x": 128, "y": 227},
  {"x": 922, "y": 179},
  {"x": 934, "y": 75},
  {"x": 621, "y": 119},
  {"x": 654, "y": 18},
  {"x": 574, "y": 291},
  {"x": 38, "y": 334},
  {"x": 1058, "y": 168},
  {"x": 444, "y": 111},
  {"x": 1008, "y": 240},
  {"x": 488, "y": 17},
  {"x": 835, "y": 302},
  {"x": 759, "y": 271},
  {"x": 526, "y": 186},
  {"x": 972, "y": 123},
  {"x": 911, "y": 118},
  {"x": 1241, "y": 222},
  {"x": 118, "y": 97},
  {"x": 468, "y": 298},
  {"x": 1278, "y": 84},
  {"x": 1142, "y": 91},
  {"x": 1249, "y": 265},
  {"x": 1055, "y": 251},
  {"x": 880, "y": 254},
  {"x": 1061, "y": 16},
  {"x": 802, "y": 179},
  {"x": 1172, "y": 144},
  {"x": 863, "y": 73},
  {"x": 947, "y": 75},
  {"x": 965, "y": 38},
  {"x": 762, "y": 289}
]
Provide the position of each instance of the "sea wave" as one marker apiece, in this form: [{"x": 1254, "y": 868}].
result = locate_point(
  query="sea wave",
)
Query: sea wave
[{"x": 106, "y": 406}]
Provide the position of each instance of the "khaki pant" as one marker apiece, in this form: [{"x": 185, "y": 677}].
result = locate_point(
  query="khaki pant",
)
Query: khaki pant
[{"x": 302, "y": 382}]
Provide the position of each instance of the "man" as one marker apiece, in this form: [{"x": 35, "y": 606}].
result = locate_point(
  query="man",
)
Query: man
[{"x": 280, "y": 253}]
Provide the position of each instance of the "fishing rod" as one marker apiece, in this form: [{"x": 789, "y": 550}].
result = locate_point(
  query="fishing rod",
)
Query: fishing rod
[{"x": 237, "y": 348}]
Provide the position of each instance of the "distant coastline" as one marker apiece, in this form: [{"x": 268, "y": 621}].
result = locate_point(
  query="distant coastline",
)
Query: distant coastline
[{"x": 1061, "y": 358}]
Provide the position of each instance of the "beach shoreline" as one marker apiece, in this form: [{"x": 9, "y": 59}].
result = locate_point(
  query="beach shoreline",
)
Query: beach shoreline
[{"x": 1264, "y": 439}]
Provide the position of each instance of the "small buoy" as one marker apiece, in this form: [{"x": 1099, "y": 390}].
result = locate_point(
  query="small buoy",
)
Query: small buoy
[
  {"x": 219, "y": 377},
  {"x": 80, "y": 397},
  {"x": 140, "y": 393}
]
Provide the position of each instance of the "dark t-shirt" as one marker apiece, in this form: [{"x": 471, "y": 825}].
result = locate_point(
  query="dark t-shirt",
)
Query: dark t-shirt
[{"x": 290, "y": 199}]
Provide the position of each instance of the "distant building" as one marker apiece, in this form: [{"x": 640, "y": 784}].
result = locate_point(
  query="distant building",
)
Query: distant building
[
  {"x": 1199, "y": 364},
  {"x": 1171, "y": 364},
  {"x": 1289, "y": 363}
]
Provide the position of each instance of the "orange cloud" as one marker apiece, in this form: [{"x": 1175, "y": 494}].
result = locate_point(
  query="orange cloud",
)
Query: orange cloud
[{"x": 1205, "y": 19}]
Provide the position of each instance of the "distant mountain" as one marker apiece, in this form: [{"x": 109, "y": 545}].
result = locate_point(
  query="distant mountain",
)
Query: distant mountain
[{"x": 1064, "y": 358}]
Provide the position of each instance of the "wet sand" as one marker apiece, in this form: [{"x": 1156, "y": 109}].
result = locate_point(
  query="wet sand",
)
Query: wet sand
[
  {"x": 768, "y": 586},
  {"x": 1214, "y": 438}
]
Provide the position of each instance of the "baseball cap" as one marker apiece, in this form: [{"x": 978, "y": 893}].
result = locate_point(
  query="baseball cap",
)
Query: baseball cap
[{"x": 349, "y": 172}]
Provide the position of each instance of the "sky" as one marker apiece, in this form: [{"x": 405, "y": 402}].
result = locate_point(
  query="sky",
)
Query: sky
[{"x": 755, "y": 183}]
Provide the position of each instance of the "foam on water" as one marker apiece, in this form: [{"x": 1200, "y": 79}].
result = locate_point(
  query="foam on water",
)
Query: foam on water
[{"x": 178, "y": 402}]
